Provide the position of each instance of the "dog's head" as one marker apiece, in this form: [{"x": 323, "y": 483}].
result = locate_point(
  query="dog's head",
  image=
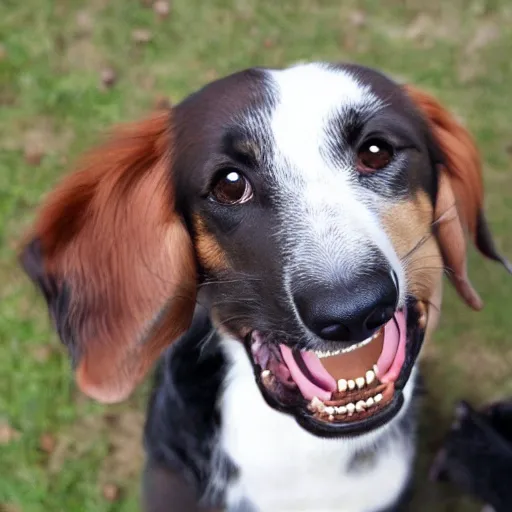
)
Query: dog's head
[{"x": 311, "y": 210}]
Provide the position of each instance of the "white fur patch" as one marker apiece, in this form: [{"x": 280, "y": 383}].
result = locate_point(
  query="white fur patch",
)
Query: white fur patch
[
  {"x": 330, "y": 222},
  {"x": 285, "y": 468}
]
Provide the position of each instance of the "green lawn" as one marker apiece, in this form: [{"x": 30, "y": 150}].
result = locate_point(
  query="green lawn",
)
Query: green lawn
[{"x": 60, "y": 451}]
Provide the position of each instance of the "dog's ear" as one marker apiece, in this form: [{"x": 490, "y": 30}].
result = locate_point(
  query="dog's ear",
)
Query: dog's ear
[
  {"x": 114, "y": 260},
  {"x": 459, "y": 203}
]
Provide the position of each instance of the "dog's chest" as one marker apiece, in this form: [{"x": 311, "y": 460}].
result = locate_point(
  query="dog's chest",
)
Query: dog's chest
[{"x": 285, "y": 468}]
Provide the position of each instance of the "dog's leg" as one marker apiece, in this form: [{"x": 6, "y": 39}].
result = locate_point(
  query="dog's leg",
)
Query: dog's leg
[{"x": 164, "y": 490}]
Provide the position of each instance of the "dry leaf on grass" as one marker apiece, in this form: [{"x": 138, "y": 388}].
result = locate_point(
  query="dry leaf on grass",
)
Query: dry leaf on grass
[
  {"x": 84, "y": 23},
  {"x": 47, "y": 443},
  {"x": 8, "y": 434},
  {"x": 162, "y": 8},
  {"x": 162, "y": 103},
  {"x": 108, "y": 77},
  {"x": 357, "y": 18},
  {"x": 111, "y": 492},
  {"x": 141, "y": 36},
  {"x": 33, "y": 155},
  {"x": 42, "y": 353}
]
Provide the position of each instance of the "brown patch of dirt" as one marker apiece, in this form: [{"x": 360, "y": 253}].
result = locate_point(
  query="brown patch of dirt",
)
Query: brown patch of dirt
[
  {"x": 471, "y": 63},
  {"x": 424, "y": 29},
  {"x": 122, "y": 432},
  {"x": 484, "y": 364},
  {"x": 126, "y": 454},
  {"x": 42, "y": 139},
  {"x": 39, "y": 137},
  {"x": 9, "y": 507},
  {"x": 84, "y": 22}
]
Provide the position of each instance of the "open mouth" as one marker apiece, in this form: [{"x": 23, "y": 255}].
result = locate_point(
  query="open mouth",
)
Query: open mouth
[{"x": 341, "y": 391}]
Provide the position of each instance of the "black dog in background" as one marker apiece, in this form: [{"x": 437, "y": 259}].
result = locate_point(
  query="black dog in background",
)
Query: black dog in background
[{"x": 477, "y": 454}]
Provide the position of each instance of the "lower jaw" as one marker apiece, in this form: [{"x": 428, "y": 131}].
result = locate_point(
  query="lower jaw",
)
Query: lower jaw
[{"x": 356, "y": 426}]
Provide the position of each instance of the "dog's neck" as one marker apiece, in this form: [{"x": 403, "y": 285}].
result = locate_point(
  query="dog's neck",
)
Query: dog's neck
[{"x": 273, "y": 452}]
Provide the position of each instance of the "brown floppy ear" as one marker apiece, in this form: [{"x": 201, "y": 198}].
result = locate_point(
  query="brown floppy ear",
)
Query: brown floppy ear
[
  {"x": 459, "y": 203},
  {"x": 114, "y": 261}
]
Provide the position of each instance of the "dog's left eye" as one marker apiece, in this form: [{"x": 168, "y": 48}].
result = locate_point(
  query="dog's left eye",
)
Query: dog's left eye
[
  {"x": 374, "y": 154},
  {"x": 231, "y": 187}
]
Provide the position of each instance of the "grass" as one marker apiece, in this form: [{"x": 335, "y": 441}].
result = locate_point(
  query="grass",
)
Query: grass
[{"x": 61, "y": 452}]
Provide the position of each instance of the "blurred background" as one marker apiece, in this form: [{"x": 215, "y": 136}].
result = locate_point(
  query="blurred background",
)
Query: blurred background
[{"x": 69, "y": 69}]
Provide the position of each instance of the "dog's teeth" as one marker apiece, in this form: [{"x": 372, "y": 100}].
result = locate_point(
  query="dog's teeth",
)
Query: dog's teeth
[
  {"x": 370, "y": 376},
  {"x": 350, "y": 408},
  {"x": 360, "y": 382},
  {"x": 342, "y": 385},
  {"x": 329, "y": 410},
  {"x": 316, "y": 405},
  {"x": 369, "y": 402},
  {"x": 265, "y": 374},
  {"x": 342, "y": 410},
  {"x": 377, "y": 398},
  {"x": 360, "y": 406},
  {"x": 351, "y": 384},
  {"x": 375, "y": 369}
]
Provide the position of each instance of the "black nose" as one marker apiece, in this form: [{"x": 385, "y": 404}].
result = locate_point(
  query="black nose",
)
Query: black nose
[{"x": 350, "y": 311}]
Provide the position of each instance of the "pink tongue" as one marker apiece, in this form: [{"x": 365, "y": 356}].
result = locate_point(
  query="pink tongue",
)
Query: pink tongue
[
  {"x": 309, "y": 389},
  {"x": 393, "y": 352}
]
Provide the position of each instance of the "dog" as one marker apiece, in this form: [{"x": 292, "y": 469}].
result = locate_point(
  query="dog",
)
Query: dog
[
  {"x": 277, "y": 242},
  {"x": 477, "y": 454}
]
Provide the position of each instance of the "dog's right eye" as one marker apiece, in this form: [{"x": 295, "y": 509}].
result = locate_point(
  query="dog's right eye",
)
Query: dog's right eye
[{"x": 230, "y": 187}]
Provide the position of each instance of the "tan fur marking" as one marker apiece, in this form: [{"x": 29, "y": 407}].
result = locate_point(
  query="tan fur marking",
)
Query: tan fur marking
[
  {"x": 408, "y": 225},
  {"x": 208, "y": 251}
]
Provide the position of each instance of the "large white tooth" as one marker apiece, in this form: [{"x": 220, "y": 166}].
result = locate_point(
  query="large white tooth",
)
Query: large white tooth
[
  {"x": 329, "y": 410},
  {"x": 370, "y": 376},
  {"x": 377, "y": 398},
  {"x": 360, "y": 406},
  {"x": 342, "y": 385},
  {"x": 375, "y": 369},
  {"x": 317, "y": 405},
  {"x": 369, "y": 402},
  {"x": 265, "y": 374},
  {"x": 351, "y": 384},
  {"x": 360, "y": 382},
  {"x": 350, "y": 408},
  {"x": 342, "y": 410}
]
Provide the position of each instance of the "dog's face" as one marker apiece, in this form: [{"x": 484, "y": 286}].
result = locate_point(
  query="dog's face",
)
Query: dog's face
[{"x": 311, "y": 210}]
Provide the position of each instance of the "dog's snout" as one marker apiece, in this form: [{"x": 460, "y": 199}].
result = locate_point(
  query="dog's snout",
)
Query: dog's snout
[{"x": 350, "y": 310}]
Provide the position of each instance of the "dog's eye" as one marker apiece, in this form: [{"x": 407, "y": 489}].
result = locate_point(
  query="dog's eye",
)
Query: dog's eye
[
  {"x": 374, "y": 154},
  {"x": 231, "y": 187}
]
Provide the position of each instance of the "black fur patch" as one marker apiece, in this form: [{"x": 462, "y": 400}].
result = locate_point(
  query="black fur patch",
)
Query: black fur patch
[
  {"x": 183, "y": 419},
  {"x": 56, "y": 293},
  {"x": 477, "y": 454}
]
